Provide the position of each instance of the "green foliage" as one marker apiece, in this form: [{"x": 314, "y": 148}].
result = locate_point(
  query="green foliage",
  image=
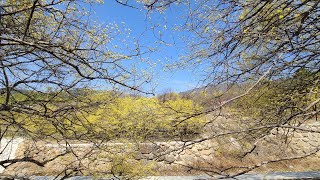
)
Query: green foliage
[
  {"x": 281, "y": 101},
  {"x": 113, "y": 117},
  {"x": 141, "y": 117}
]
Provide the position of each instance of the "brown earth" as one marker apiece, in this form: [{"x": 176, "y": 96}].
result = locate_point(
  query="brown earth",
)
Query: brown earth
[{"x": 214, "y": 155}]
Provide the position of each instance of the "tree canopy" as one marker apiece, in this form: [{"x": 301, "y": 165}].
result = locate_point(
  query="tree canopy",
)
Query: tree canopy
[{"x": 63, "y": 80}]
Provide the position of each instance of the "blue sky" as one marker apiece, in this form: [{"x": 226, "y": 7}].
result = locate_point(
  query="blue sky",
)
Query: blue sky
[{"x": 137, "y": 22}]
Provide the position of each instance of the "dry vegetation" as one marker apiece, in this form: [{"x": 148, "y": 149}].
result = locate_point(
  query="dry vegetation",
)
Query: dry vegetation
[{"x": 65, "y": 79}]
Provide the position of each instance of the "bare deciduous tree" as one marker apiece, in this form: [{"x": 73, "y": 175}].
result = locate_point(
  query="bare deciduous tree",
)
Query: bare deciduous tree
[
  {"x": 52, "y": 56},
  {"x": 266, "y": 50}
]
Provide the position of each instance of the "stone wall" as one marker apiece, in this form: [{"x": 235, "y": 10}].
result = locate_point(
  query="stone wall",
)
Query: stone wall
[{"x": 171, "y": 156}]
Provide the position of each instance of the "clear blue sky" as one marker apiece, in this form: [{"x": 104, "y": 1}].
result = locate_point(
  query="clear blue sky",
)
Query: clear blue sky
[{"x": 137, "y": 22}]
